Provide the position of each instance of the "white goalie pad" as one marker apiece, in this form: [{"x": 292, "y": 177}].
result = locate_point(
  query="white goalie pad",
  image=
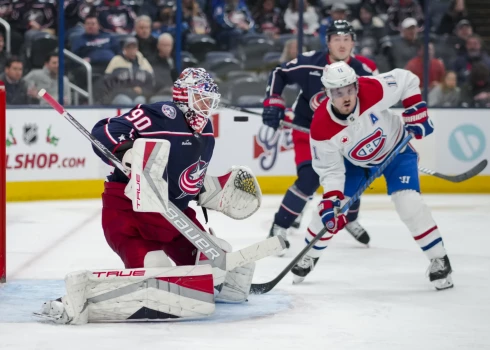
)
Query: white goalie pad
[
  {"x": 148, "y": 186},
  {"x": 236, "y": 194},
  {"x": 154, "y": 294}
]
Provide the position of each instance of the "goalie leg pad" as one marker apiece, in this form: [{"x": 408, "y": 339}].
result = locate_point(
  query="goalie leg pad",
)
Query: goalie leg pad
[
  {"x": 236, "y": 194},
  {"x": 236, "y": 287},
  {"x": 418, "y": 218},
  {"x": 138, "y": 294}
]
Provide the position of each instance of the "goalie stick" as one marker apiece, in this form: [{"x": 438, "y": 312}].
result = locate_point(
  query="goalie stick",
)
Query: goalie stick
[
  {"x": 452, "y": 178},
  {"x": 200, "y": 239},
  {"x": 262, "y": 288}
]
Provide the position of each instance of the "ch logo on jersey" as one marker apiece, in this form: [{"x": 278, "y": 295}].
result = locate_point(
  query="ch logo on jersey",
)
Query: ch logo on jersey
[
  {"x": 317, "y": 98},
  {"x": 369, "y": 147},
  {"x": 192, "y": 178}
]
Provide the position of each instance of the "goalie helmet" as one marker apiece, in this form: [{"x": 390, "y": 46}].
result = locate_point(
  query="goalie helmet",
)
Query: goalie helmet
[
  {"x": 337, "y": 75},
  {"x": 196, "y": 95}
]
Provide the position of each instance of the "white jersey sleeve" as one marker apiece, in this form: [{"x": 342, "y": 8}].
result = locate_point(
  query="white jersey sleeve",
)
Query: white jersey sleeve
[
  {"x": 328, "y": 163},
  {"x": 398, "y": 84}
]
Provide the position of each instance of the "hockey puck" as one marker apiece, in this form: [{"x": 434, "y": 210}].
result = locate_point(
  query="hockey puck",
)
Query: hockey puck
[{"x": 240, "y": 119}]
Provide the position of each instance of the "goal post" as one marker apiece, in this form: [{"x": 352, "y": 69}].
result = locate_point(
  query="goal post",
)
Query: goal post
[{"x": 3, "y": 181}]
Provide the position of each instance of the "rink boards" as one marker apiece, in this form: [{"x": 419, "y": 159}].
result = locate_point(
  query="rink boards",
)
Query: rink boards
[{"x": 49, "y": 159}]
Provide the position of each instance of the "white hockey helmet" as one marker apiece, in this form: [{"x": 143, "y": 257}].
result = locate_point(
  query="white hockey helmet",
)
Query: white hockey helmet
[{"x": 337, "y": 75}]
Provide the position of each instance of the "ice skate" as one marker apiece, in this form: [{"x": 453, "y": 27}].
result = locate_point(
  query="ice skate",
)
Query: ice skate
[
  {"x": 280, "y": 231},
  {"x": 358, "y": 232},
  {"x": 303, "y": 268},
  {"x": 440, "y": 273},
  {"x": 54, "y": 311}
]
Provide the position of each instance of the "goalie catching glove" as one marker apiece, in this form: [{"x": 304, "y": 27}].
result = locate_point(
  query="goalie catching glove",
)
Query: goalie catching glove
[{"x": 236, "y": 194}]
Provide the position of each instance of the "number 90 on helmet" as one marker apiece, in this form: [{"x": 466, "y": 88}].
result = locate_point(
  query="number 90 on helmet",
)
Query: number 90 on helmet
[{"x": 338, "y": 75}]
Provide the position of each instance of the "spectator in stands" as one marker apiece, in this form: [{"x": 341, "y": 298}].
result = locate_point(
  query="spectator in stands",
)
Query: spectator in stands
[
  {"x": 233, "y": 20},
  {"x": 476, "y": 91},
  {"x": 94, "y": 46},
  {"x": 437, "y": 70},
  {"x": 269, "y": 19},
  {"x": 339, "y": 11},
  {"x": 195, "y": 18},
  {"x": 290, "y": 51},
  {"x": 463, "y": 31},
  {"x": 455, "y": 13},
  {"x": 146, "y": 42},
  {"x": 164, "y": 68},
  {"x": 405, "y": 46},
  {"x": 74, "y": 19},
  {"x": 380, "y": 7},
  {"x": 129, "y": 77},
  {"x": 310, "y": 18},
  {"x": 474, "y": 54},
  {"x": 370, "y": 31},
  {"x": 15, "y": 86},
  {"x": 446, "y": 94},
  {"x": 164, "y": 18},
  {"x": 17, "y": 38},
  {"x": 47, "y": 78},
  {"x": 114, "y": 17},
  {"x": 401, "y": 10},
  {"x": 33, "y": 18}
]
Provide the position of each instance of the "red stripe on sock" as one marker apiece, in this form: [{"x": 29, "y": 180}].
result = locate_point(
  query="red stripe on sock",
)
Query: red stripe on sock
[
  {"x": 425, "y": 233},
  {"x": 321, "y": 239}
]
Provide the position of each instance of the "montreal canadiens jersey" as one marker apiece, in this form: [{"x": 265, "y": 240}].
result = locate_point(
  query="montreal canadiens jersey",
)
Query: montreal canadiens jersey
[
  {"x": 369, "y": 133},
  {"x": 306, "y": 71},
  {"x": 190, "y": 152}
]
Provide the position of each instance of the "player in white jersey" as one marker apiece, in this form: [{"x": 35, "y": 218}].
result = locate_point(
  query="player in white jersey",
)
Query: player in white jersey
[{"x": 352, "y": 133}]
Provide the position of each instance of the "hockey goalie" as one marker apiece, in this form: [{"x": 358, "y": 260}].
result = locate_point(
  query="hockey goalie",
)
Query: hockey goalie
[{"x": 166, "y": 276}]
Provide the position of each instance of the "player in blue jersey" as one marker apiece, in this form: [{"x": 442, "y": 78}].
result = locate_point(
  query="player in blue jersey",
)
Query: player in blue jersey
[{"x": 306, "y": 71}]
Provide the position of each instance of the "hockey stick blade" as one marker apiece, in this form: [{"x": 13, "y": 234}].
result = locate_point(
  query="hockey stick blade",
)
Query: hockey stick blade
[{"x": 458, "y": 178}]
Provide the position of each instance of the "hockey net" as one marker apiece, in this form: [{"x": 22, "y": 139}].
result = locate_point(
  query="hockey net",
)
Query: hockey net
[{"x": 3, "y": 180}]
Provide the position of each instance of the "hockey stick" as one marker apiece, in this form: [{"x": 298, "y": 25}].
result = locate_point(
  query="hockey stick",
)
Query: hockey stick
[
  {"x": 262, "y": 288},
  {"x": 452, "y": 178},
  {"x": 200, "y": 239}
]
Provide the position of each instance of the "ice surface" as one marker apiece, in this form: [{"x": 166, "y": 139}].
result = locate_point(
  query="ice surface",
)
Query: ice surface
[{"x": 356, "y": 298}]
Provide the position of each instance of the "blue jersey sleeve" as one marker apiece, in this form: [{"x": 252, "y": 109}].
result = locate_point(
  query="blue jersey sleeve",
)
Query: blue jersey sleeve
[
  {"x": 290, "y": 73},
  {"x": 114, "y": 132}
]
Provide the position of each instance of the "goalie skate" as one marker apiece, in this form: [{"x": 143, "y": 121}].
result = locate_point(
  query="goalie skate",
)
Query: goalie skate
[
  {"x": 358, "y": 232},
  {"x": 280, "y": 231},
  {"x": 440, "y": 273},
  {"x": 303, "y": 268},
  {"x": 53, "y": 311}
]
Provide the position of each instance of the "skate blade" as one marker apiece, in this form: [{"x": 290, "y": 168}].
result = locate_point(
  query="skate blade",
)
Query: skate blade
[
  {"x": 297, "y": 279},
  {"x": 443, "y": 283}
]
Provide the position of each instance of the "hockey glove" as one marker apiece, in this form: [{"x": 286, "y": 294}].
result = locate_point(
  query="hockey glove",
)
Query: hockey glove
[
  {"x": 273, "y": 112},
  {"x": 417, "y": 120},
  {"x": 124, "y": 152},
  {"x": 333, "y": 223}
]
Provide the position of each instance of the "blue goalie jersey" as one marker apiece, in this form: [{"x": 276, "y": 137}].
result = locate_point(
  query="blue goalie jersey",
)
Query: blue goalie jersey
[{"x": 190, "y": 152}]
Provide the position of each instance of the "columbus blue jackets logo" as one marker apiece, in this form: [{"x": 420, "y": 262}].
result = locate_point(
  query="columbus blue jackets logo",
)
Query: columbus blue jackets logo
[
  {"x": 317, "y": 99},
  {"x": 192, "y": 178},
  {"x": 369, "y": 148}
]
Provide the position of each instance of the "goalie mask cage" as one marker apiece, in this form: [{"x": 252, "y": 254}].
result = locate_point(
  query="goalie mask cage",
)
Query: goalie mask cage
[{"x": 3, "y": 180}]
